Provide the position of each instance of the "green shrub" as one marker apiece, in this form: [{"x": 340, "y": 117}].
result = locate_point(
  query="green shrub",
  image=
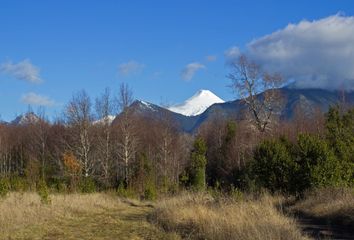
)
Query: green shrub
[
  {"x": 273, "y": 167},
  {"x": 150, "y": 192},
  {"x": 184, "y": 179},
  {"x": 340, "y": 137},
  {"x": 43, "y": 192},
  {"x": 318, "y": 163},
  {"x": 59, "y": 184},
  {"x": 18, "y": 184},
  {"x": 4, "y": 187},
  {"x": 87, "y": 185},
  {"x": 125, "y": 192}
]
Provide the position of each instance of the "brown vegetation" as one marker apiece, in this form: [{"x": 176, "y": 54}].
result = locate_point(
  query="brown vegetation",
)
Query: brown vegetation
[
  {"x": 75, "y": 216},
  {"x": 200, "y": 216},
  {"x": 333, "y": 204}
]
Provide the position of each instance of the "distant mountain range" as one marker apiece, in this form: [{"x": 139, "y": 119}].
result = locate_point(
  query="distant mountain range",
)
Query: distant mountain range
[
  {"x": 22, "y": 119},
  {"x": 205, "y": 105},
  {"x": 309, "y": 100}
]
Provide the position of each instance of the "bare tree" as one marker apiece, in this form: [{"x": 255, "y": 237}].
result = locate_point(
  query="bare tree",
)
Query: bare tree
[
  {"x": 105, "y": 111},
  {"x": 125, "y": 97},
  {"x": 39, "y": 131},
  {"x": 127, "y": 141},
  {"x": 248, "y": 81},
  {"x": 79, "y": 117}
]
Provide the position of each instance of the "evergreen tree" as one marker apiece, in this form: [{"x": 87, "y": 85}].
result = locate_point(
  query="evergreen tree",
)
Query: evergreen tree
[
  {"x": 273, "y": 166},
  {"x": 340, "y": 137},
  {"x": 198, "y": 164},
  {"x": 318, "y": 163}
]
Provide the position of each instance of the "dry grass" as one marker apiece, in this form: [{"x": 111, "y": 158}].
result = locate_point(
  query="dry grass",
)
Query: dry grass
[
  {"x": 202, "y": 217},
  {"x": 75, "y": 216},
  {"x": 331, "y": 203}
]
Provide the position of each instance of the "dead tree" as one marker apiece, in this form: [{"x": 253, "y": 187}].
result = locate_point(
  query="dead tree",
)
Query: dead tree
[{"x": 249, "y": 81}]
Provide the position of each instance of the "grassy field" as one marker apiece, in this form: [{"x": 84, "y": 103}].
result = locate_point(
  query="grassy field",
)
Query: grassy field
[
  {"x": 200, "y": 216},
  {"x": 76, "y": 216},
  {"x": 186, "y": 216}
]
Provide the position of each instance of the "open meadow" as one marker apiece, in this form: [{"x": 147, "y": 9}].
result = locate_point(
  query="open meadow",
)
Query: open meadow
[
  {"x": 106, "y": 216},
  {"x": 75, "y": 216}
]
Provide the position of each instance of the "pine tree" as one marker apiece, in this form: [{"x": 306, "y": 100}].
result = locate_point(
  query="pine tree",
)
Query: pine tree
[{"x": 198, "y": 164}]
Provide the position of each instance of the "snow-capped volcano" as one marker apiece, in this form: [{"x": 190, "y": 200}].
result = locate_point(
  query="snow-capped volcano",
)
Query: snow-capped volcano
[{"x": 197, "y": 104}]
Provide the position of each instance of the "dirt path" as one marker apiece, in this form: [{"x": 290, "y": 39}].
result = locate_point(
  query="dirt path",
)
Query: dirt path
[{"x": 321, "y": 228}]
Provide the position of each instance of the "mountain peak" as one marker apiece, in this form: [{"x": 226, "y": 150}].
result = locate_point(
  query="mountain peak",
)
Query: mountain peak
[
  {"x": 26, "y": 118},
  {"x": 197, "y": 104}
]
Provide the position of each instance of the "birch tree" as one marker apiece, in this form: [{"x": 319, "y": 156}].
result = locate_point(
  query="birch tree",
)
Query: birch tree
[
  {"x": 79, "y": 117},
  {"x": 105, "y": 110},
  {"x": 127, "y": 143},
  {"x": 249, "y": 80}
]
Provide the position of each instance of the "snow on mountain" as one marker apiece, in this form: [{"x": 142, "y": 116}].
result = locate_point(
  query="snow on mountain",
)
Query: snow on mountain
[
  {"x": 24, "y": 119},
  {"x": 109, "y": 119},
  {"x": 197, "y": 104},
  {"x": 147, "y": 105}
]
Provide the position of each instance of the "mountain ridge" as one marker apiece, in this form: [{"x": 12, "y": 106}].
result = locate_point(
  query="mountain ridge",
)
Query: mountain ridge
[{"x": 307, "y": 99}]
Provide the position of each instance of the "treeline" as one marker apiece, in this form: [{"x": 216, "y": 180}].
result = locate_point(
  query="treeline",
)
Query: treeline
[
  {"x": 144, "y": 157},
  {"x": 84, "y": 151}
]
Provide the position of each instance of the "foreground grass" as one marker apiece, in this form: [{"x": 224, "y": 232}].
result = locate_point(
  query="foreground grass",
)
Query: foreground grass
[
  {"x": 333, "y": 204},
  {"x": 75, "y": 216},
  {"x": 187, "y": 216},
  {"x": 199, "y": 216}
]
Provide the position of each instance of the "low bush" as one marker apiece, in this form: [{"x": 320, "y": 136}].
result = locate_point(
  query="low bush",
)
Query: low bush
[
  {"x": 87, "y": 185},
  {"x": 4, "y": 187},
  {"x": 150, "y": 192},
  {"x": 124, "y": 192},
  {"x": 43, "y": 192}
]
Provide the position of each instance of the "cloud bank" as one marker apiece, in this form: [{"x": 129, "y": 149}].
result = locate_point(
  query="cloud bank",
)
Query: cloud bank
[
  {"x": 190, "y": 70},
  {"x": 315, "y": 54},
  {"x": 37, "y": 100},
  {"x": 130, "y": 68},
  {"x": 23, "y": 70}
]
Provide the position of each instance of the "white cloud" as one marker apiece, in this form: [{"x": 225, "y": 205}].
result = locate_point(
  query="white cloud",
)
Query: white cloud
[
  {"x": 35, "y": 99},
  {"x": 23, "y": 70},
  {"x": 130, "y": 68},
  {"x": 232, "y": 53},
  {"x": 211, "y": 58},
  {"x": 190, "y": 70},
  {"x": 318, "y": 54}
]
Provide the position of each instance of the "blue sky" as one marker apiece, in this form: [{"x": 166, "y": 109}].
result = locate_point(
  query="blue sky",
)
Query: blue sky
[{"x": 165, "y": 50}]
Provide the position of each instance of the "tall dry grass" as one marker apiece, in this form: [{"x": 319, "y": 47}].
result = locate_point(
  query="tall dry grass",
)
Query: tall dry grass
[
  {"x": 19, "y": 210},
  {"x": 200, "y": 216},
  {"x": 332, "y": 203}
]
